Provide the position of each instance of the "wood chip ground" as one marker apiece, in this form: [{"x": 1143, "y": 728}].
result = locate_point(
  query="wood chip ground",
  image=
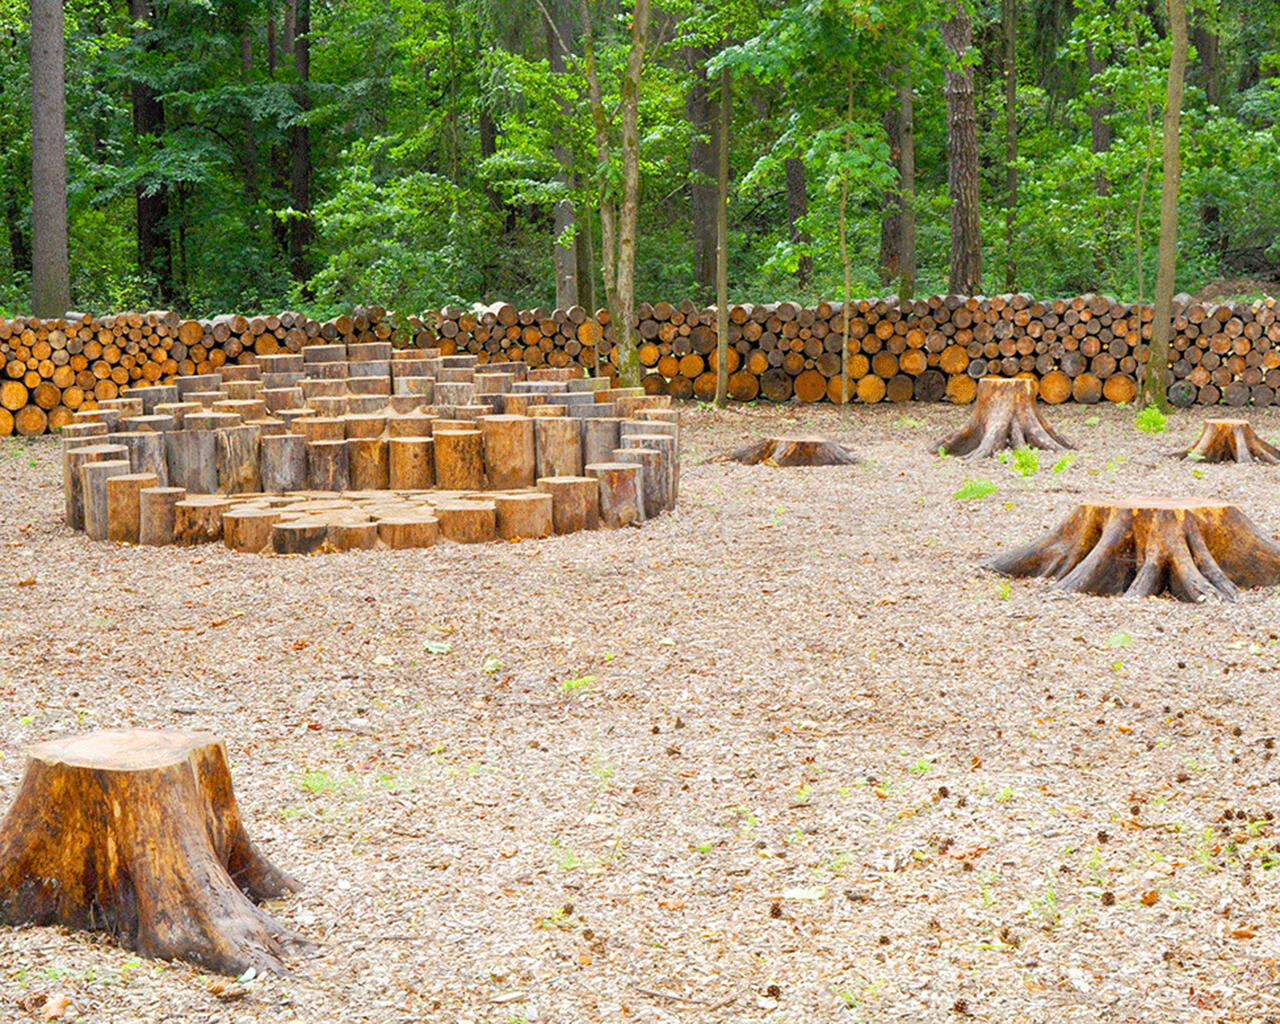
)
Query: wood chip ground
[{"x": 786, "y": 755}]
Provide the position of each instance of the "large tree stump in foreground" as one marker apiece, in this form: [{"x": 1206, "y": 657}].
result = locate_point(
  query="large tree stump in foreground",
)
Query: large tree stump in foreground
[
  {"x": 1004, "y": 417},
  {"x": 136, "y": 833},
  {"x": 1192, "y": 549},
  {"x": 792, "y": 451},
  {"x": 1231, "y": 441}
]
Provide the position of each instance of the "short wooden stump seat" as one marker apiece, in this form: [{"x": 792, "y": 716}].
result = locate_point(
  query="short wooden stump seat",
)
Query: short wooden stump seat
[
  {"x": 1229, "y": 440},
  {"x": 1189, "y": 548},
  {"x": 136, "y": 833},
  {"x": 1006, "y": 416}
]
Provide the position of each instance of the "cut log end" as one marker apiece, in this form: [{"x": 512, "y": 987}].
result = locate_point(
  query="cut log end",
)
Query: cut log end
[
  {"x": 176, "y": 876},
  {"x": 792, "y": 451},
  {"x": 1005, "y": 416},
  {"x": 1190, "y": 549},
  {"x": 1227, "y": 440}
]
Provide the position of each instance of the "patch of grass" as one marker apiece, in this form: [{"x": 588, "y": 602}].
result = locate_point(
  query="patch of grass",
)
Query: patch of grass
[
  {"x": 975, "y": 490},
  {"x": 1003, "y": 590},
  {"x": 1092, "y": 421},
  {"x": 577, "y": 685},
  {"x": 1064, "y": 463},
  {"x": 1026, "y": 461},
  {"x": 317, "y": 780},
  {"x": 1151, "y": 421},
  {"x": 1118, "y": 640}
]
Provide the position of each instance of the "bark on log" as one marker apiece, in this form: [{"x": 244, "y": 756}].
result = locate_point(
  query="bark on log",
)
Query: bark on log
[
  {"x": 621, "y": 493},
  {"x": 558, "y": 444},
  {"x": 73, "y": 459},
  {"x": 467, "y": 522},
  {"x": 1190, "y": 548},
  {"x": 299, "y": 537},
  {"x": 575, "y": 502},
  {"x": 198, "y": 519},
  {"x": 1226, "y": 440},
  {"x": 524, "y": 516},
  {"x": 411, "y": 464},
  {"x": 283, "y": 463},
  {"x": 124, "y": 505},
  {"x": 93, "y": 484},
  {"x": 408, "y": 531},
  {"x": 156, "y": 514},
  {"x": 146, "y": 453},
  {"x": 459, "y": 456},
  {"x": 137, "y": 834},
  {"x": 369, "y": 463},
  {"x": 1005, "y": 417},
  {"x": 239, "y": 470},
  {"x": 192, "y": 458},
  {"x": 600, "y": 436},
  {"x": 509, "y": 451},
  {"x": 248, "y": 529},
  {"x": 328, "y": 468},
  {"x": 792, "y": 451}
]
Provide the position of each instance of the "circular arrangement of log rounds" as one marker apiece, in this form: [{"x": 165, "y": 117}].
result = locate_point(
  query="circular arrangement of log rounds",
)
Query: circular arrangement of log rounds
[
  {"x": 1189, "y": 548},
  {"x": 137, "y": 833},
  {"x": 1088, "y": 348},
  {"x": 1005, "y": 417},
  {"x": 1224, "y": 440},
  {"x": 343, "y": 463},
  {"x": 792, "y": 451}
]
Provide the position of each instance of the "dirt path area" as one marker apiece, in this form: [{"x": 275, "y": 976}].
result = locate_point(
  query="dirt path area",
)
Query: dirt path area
[{"x": 785, "y": 755}]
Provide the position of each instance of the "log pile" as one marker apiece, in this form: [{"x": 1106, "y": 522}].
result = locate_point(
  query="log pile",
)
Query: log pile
[
  {"x": 1084, "y": 349},
  {"x": 298, "y": 453}
]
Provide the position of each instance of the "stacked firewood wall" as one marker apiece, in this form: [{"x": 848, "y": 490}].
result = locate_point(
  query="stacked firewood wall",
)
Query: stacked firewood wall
[{"x": 1087, "y": 349}]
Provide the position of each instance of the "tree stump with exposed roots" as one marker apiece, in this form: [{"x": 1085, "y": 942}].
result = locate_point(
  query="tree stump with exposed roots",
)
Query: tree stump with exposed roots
[
  {"x": 792, "y": 451},
  {"x": 1231, "y": 441},
  {"x": 136, "y": 833},
  {"x": 1005, "y": 416},
  {"x": 1190, "y": 548}
]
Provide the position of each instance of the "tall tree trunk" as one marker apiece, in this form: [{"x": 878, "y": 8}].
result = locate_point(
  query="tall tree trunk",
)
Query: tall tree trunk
[
  {"x": 797, "y": 210},
  {"x": 1156, "y": 383},
  {"x": 702, "y": 169},
  {"x": 891, "y": 201},
  {"x": 248, "y": 137},
  {"x": 564, "y": 246},
  {"x": 628, "y": 358},
  {"x": 604, "y": 154},
  {"x": 722, "y": 244},
  {"x": 50, "y": 279},
  {"x": 155, "y": 256},
  {"x": 300, "y": 150},
  {"x": 907, "y": 187},
  {"x": 962, "y": 155},
  {"x": 1010, "y": 14},
  {"x": 1205, "y": 38},
  {"x": 279, "y": 155},
  {"x": 1100, "y": 131}
]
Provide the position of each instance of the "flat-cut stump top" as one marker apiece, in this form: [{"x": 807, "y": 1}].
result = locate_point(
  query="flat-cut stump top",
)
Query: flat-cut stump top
[
  {"x": 1005, "y": 416},
  {"x": 1230, "y": 440},
  {"x": 1191, "y": 549},
  {"x": 792, "y": 451}
]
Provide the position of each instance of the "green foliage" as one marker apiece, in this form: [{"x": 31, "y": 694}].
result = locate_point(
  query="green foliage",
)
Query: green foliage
[
  {"x": 975, "y": 490},
  {"x": 1064, "y": 463},
  {"x": 1151, "y": 421}
]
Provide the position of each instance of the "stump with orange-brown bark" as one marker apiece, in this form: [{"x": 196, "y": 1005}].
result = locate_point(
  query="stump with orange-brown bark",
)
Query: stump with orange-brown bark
[
  {"x": 1004, "y": 417},
  {"x": 792, "y": 451},
  {"x": 136, "y": 833},
  {"x": 1190, "y": 548},
  {"x": 1226, "y": 440}
]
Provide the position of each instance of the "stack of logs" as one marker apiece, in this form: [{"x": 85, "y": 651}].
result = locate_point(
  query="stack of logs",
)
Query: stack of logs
[
  {"x": 299, "y": 455},
  {"x": 1087, "y": 349}
]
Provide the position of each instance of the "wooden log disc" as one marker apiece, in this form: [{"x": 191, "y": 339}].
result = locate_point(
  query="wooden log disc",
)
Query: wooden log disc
[
  {"x": 93, "y": 484},
  {"x": 248, "y": 529},
  {"x": 13, "y": 395},
  {"x": 900, "y": 388},
  {"x": 931, "y": 386},
  {"x": 198, "y": 519},
  {"x": 1119, "y": 389},
  {"x": 192, "y": 459},
  {"x": 411, "y": 464},
  {"x": 526, "y": 515},
  {"x": 459, "y": 459},
  {"x": 408, "y": 530},
  {"x": 558, "y": 444},
  {"x": 30, "y": 421},
  {"x": 346, "y": 535},
  {"x": 871, "y": 389},
  {"x": 1055, "y": 387},
  {"x": 73, "y": 459},
  {"x": 467, "y": 521},
  {"x": 810, "y": 386},
  {"x": 1086, "y": 389},
  {"x": 328, "y": 468},
  {"x": 137, "y": 833},
  {"x": 1182, "y": 394},
  {"x": 370, "y": 465},
  {"x": 575, "y": 502},
  {"x": 621, "y": 492},
  {"x": 509, "y": 451},
  {"x": 744, "y": 386},
  {"x": 299, "y": 536},
  {"x": 238, "y": 463},
  {"x": 124, "y": 505},
  {"x": 283, "y": 462},
  {"x": 156, "y": 514}
]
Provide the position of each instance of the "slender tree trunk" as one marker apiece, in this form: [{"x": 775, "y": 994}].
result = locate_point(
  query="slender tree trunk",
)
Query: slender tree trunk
[
  {"x": 1100, "y": 131},
  {"x": 1156, "y": 383},
  {"x": 50, "y": 279},
  {"x": 604, "y": 153},
  {"x": 300, "y": 150},
  {"x": 155, "y": 256},
  {"x": 278, "y": 156},
  {"x": 628, "y": 359},
  {"x": 907, "y": 187},
  {"x": 891, "y": 201},
  {"x": 702, "y": 169},
  {"x": 19, "y": 244},
  {"x": 564, "y": 245},
  {"x": 248, "y": 139},
  {"x": 797, "y": 210},
  {"x": 845, "y": 261},
  {"x": 962, "y": 156},
  {"x": 1205, "y": 39},
  {"x": 1010, "y": 13},
  {"x": 722, "y": 244}
]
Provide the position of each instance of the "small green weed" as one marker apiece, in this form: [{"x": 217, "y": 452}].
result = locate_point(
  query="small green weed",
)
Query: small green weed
[
  {"x": 1026, "y": 461},
  {"x": 975, "y": 490},
  {"x": 577, "y": 684},
  {"x": 1151, "y": 421},
  {"x": 1064, "y": 463},
  {"x": 1003, "y": 590},
  {"x": 1118, "y": 640}
]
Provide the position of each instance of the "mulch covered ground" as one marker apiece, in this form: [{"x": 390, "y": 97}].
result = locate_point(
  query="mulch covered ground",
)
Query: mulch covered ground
[{"x": 786, "y": 754}]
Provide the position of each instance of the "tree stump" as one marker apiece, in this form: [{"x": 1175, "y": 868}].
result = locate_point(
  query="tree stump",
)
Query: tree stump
[
  {"x": 1191, "y": 548},
  {"x": 146, "y": 453},
  {"x": 661, "y": 480},
  {"x": 137, "y": 833},
  {"x": 575, "y": 502},
  {"x": 558, "y": 442},
  {"x": 156, "y": 513},
  {"x": 406, "y": 530},
  {"x": 299, "y": 536},
  {"x": 1005, "y": 417},
  {"x": 73, "y": 459},
  {"x": 526, "y": 515},
  {"x": 124, "y": 505},
  {"x": 509, "y": 451},
  {"x": 248, "y": 529},
  {"x": 93, "y": 484},
  {"x": 792, "y": 451},
  {"x": 328, "y": 466},
  {"x": 467, "y": 522},
  {"x": 600, "y": 436},
  {"x": 370, "y": 466},
  {"x": 1231, "y": 441},
  {"x": 410, "y": 463},
  {"x": 346, "y": 534},
  {"x": 283, "y": 459},
  {"x": 192, "y": 456},
  {"x": 459, "y": 456},
  {"x": 239, "y": 469},
  {"x": 621, "y": 492},
  {"x": 198, "y": 519}
]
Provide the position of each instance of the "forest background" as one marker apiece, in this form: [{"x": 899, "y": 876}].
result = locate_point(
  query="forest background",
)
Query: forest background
[{"x": 254, "y": 155}]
